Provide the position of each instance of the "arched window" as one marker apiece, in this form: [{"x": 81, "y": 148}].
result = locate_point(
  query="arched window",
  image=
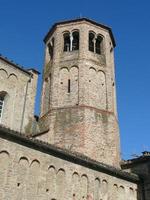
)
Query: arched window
[
  {"x": 91, "y": 41},
  {"x": 75, "y": 42},
  {"x": 95, "y": 43},
  {"x": 66, "y": 42},
  {"x": 71, "y": 41},
  {"x": 2, "y": 98},
  {"x": 51, "y": 48},
  {"x": 98, "y": 46}
]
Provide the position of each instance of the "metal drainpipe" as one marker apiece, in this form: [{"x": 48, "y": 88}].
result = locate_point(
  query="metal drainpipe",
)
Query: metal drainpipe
[{"x": 24, "y": 105}]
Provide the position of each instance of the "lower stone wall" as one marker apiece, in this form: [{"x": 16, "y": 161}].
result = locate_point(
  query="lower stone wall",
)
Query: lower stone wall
[
  {"x": 85, "y": 130},
  {"x": 140, "y": 166},
  {"x": 26, "y": 174}
]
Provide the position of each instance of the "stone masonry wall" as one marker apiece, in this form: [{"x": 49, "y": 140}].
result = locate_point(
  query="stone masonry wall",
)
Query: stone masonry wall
[
  {"x": 86, "y": 130},
  {"x": 92, "y": 75},
  {"x": 27, "y": 173},
  {"x": 92, "y": 84},
  {"x": 140, "y": 166},
  {"x": 16, "y": 83}
]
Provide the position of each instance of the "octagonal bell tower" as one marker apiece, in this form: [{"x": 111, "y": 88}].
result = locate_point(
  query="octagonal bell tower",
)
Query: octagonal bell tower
[{"x": 78, "y": 95}]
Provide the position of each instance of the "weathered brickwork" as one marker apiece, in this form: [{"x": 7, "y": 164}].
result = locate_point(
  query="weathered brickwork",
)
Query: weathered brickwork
[
  {"x": 72, "y": 151},
  {"x": 27, "y": 173},
  {"x": 140, "y": 166},
  {"x": 84, "y": 61},
  {"x": 78, "y": 129},
  {"x": 19, "y": 87},
  {"x": 79, "y": 94}
]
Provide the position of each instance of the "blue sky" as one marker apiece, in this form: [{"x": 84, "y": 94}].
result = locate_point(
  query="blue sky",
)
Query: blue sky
[{"x": 23, "y": 25}]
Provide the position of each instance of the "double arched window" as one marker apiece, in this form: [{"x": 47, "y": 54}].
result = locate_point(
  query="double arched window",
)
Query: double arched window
[
  {"x": 95, "y": 43},
  {"x": 71, "y": 41},
  {"x": 2, "y": 99}
]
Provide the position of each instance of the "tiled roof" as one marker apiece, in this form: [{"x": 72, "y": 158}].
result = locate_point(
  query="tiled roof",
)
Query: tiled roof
[
  {"x": 65, "y": 154},
  {"x": 5, "y": 59}
]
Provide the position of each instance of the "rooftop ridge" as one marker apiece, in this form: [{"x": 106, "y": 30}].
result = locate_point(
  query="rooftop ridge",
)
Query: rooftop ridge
[
  {"x": 140, "y": 159},
  {"x": 6, "y": 59}
]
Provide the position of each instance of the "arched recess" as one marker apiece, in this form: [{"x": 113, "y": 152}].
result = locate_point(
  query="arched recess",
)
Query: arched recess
[
  {"x": 96, "y": 189},
  {"x": 13, "y": 77},
  {"x": 33, "y": 179},
  {"x": 101, "y": 89},
  {"x": 47, "y": 93},
  {"x": 21, "y": 184},
  {"x": 4, "y": 165},
  {"x": 115, "y": 191},
  {"x": 93, "y": 94},
  {"x": 84, "y": 187},
  {"x": 3, "y": 74},
  {"x": 104, "y": 190},
  {"x": 13, "y": 100},
  {"x": 12, "y": 81},
  {"x": 50, "y": 89},
  {"x": 131, "y": 192},
  {"x": 74, "y": 85},
  {"x": 63, "y": 86},
  {"x": 122, "y": 193},
  {"x": 51, "y": 181},
  {"x": 75, "y": 186},
  {"x": 61, "y": 184}
]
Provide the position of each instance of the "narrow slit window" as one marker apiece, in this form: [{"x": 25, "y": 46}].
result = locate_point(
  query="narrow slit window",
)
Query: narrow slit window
[{"x": 69, "y": 86}]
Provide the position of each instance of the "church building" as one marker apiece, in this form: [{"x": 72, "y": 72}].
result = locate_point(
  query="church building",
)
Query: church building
[{"x": 72, "y": 150}]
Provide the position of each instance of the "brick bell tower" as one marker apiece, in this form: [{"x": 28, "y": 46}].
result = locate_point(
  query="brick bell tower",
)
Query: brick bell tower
[{"x": 78, "y": 95}]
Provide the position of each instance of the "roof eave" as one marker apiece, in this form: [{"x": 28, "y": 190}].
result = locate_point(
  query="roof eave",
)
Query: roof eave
[
  {"x": 73, "y": 157},
  {"x": 5, "y": 59},
  {"x": 52, "y": 29}
]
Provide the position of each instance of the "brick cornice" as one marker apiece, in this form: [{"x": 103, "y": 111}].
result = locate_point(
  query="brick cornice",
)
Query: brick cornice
[{"x": 82, "y": 106}]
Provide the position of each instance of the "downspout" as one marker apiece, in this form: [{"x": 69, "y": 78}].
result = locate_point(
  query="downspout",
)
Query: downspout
[{"x": 24, "y": 104}]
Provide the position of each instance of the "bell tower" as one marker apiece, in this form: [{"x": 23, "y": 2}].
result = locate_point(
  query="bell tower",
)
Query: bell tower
[{"x": 78, "y": 95}]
